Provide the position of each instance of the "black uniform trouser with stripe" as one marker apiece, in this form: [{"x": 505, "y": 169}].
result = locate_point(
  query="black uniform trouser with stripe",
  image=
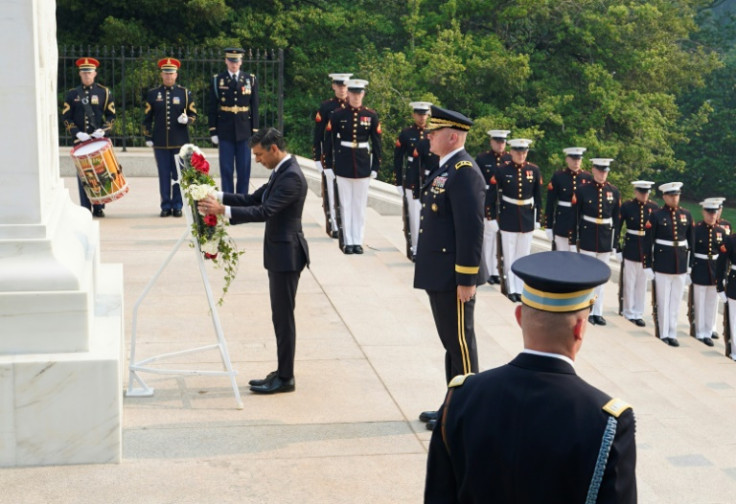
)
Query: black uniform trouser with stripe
[{"x": 454, "y": 322}]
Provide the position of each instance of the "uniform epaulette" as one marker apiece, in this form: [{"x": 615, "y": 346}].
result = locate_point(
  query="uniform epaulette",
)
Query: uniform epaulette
[
  {"x": 252, "y": 76},
  {"x": 615, "y": 407},
  {"x": 463, "y": 163},
  {"x": 103, "y": 87},
  {"x": 459, "y": 380}
]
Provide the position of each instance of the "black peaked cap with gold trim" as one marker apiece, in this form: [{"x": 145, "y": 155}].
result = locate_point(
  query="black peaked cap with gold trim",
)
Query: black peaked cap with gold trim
[
  {"x": 558, "y": 281},
  {"x": 443, "y": 118}
]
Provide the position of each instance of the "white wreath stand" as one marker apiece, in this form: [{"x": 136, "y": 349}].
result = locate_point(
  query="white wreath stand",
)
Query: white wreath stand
[{"x": 143, "y": 390}]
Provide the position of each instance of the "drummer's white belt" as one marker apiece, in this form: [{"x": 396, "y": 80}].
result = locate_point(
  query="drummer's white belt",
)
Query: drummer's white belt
[
  {"x": 733, "y": 267},
  {"x": 681, "y": 243},
  {"x": 705, "y": 256},
  {"x": 597, "y": 220},
  {"x": 355, "y": 145},
  {"x": 234, "y": 110},
  {"x": 520, "y": 202},
  {"x": 564, "y": 203},
  {"x": 636, "y": 232},
  {"x": 410, "y": 158}
]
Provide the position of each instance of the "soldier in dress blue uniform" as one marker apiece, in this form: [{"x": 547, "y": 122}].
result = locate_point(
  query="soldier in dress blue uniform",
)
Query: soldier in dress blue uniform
[
  {"x": 89, "y": 112},
  {"x": 634, "y": 215},
  {"x": 340, "y": 88},
  {"x": 408, "y": 180},
  {"x": 726, "y": 273},
  {"x": 233, "y": 118},
  {"x": 668, "y": 239},
  {"x": 169, "y": 112},
  {"x": 707, "y": 239},
  {"x": 488, "y": 162},
  {"x": 597, "y": 207},
  {"x": 353, "y": 151},
  {"x": 516, "y": 192},
  {"x": 449, "y": 259},
  {"x": 561, "y": 220},
  {"x": 533, "y": 431},
  {"x": 727, "y": 228}
]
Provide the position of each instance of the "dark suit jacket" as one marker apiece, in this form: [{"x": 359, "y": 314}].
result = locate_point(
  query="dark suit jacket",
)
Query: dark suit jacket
[
  {"x": 528, "y": 432},
  {"x": 279, "y": 204}
]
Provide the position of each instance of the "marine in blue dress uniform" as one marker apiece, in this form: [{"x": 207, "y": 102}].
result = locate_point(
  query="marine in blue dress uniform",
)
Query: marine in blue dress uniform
[
  {"x": 634, "y": 216},
  {"x": 533, "y": 431},
  {"x": 448, "y": 262},
  {"x": 339, "y": 86},
  {"x": 233, "y": 118},
  {"x": 89, "y": 112},
  {"x": 560, "y": 218},
  {"x": 488, "y": 162},
  {"x": 169, "y": 112}
]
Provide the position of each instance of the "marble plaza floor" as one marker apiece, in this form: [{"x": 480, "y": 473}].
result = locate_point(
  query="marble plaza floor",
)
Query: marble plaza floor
[{"x": 368, "y": 361}]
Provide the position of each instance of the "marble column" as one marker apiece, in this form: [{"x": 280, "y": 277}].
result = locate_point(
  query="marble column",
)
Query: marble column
[{"x": 61, "y": 318}]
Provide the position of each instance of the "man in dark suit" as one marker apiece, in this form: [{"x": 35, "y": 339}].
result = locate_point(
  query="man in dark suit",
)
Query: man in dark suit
[
  {"x": 279, "y": 204},
  {"x": 533, "y": 431},
  {"x": 448, "y": 261},
  {"x": 233, "y": 118}
]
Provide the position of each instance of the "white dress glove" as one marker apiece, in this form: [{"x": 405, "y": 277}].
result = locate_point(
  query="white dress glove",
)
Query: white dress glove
[
  {"x": 214, "y": 139},
  {"x": 182, "y": 119},
  {"x": 619, "y": 257},
  {"x": 550, "y": 234},
  {"x": 98, "y": 133},
  {"x": 494, "y": 226},
  {"x": 374, "y": 174},
  {"x": 688, "y": 280},
  {"x": 537, "y": 225},
  {"x": 83, "y": 136},
  {"x": 722, "y": 296},
  {"x": 318, "y": 165},
  {"x": 149, "y": 143},
  {"x": 400, "y": 190},
  {"x": 649, "y": 273}
]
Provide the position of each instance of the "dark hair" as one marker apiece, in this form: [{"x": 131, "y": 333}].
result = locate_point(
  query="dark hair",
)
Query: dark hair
[{"x": 268, "y": 137}]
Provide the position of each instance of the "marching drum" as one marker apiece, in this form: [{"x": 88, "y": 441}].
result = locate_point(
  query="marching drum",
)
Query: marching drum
[{"x": 99, "y": 171}]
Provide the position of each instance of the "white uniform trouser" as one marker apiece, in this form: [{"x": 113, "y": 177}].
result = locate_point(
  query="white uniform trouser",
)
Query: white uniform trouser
[
  {"x": 562, "y": 243},
  {"x": 414, "y": 206},
  {"x": 732, "y": 324},
  {"x": 635, "y": 290},
  {"x": 489, "y": 249},
  {"x": 604, "y": 257},
  {"x": 330, "y": 183},
  {"x": 705, "y": 304},
  {"x": 669, "y": 296},
  {"x": 353, "y": 195},
  {"x": 515, "y": 245}
]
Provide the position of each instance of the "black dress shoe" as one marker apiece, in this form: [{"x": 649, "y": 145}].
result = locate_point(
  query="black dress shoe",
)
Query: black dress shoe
[
  {"x": 431, "y": 424},
  {"x": 275, "y": 386},
  {"x": 98, "y": 212},
  {"x": 592, "y": 319},
  {"x": 270, "y": 376},
  {"x": 671, "y": 342},
  {"x": 714, "y": 335},
  {"x": 599, "y": 320},
  {"x": 177, "y": 213},
  {"x": 512, "y": 297},
  {"x": 165, "y": 213},
  {"x": 707, "y": 341},
  {"x": 426, "y": 416},
  {"x": 348, "y": 249},
  {"x": 357, "y": 249},
  {"x": 333, "y": 234},
  {"x": 640, "y": 322}
]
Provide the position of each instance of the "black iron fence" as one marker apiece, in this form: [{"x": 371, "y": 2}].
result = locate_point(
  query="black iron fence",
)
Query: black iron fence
[{"x": 130, "y": 72}]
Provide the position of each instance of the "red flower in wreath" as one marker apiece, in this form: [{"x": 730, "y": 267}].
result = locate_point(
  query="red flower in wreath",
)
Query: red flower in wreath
[
  {"x": 210, "y": 256},
  {"x": 200, "y": 163},
  {"x": 210, "y": 220}
]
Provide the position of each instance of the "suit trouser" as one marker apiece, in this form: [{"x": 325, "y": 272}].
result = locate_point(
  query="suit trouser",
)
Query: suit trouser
[
  {"x": 239, "y": 152},
  {"x": 669, "y": 296},
  {"x": 515, "y": 245},
  {"x": 705, "y": 306},
  {"x": 454, "y": 322},
  {"x": 166, "y": 164},
  {"x": 414, "y": 206},
  {"x": 84, "y": 200},
  {"x": 330, "y": 184},
  {"x": 489, "y": 248},
  {"x": 604, "y": 257},
  {"x": 635, "y": 290},
  {"x": 282, "y": 288},
  {"x": 732, "y": 324},
  {"x": 353, "y": 194},
  {"x": 562, "y": 243}
]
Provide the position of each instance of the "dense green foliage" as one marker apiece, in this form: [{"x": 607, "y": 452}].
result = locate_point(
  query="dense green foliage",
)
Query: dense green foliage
[{"x": 649, "y": 83}]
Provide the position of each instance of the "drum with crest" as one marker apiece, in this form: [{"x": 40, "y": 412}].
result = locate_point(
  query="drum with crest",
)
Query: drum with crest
[{"x": 99, "y": 171}]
